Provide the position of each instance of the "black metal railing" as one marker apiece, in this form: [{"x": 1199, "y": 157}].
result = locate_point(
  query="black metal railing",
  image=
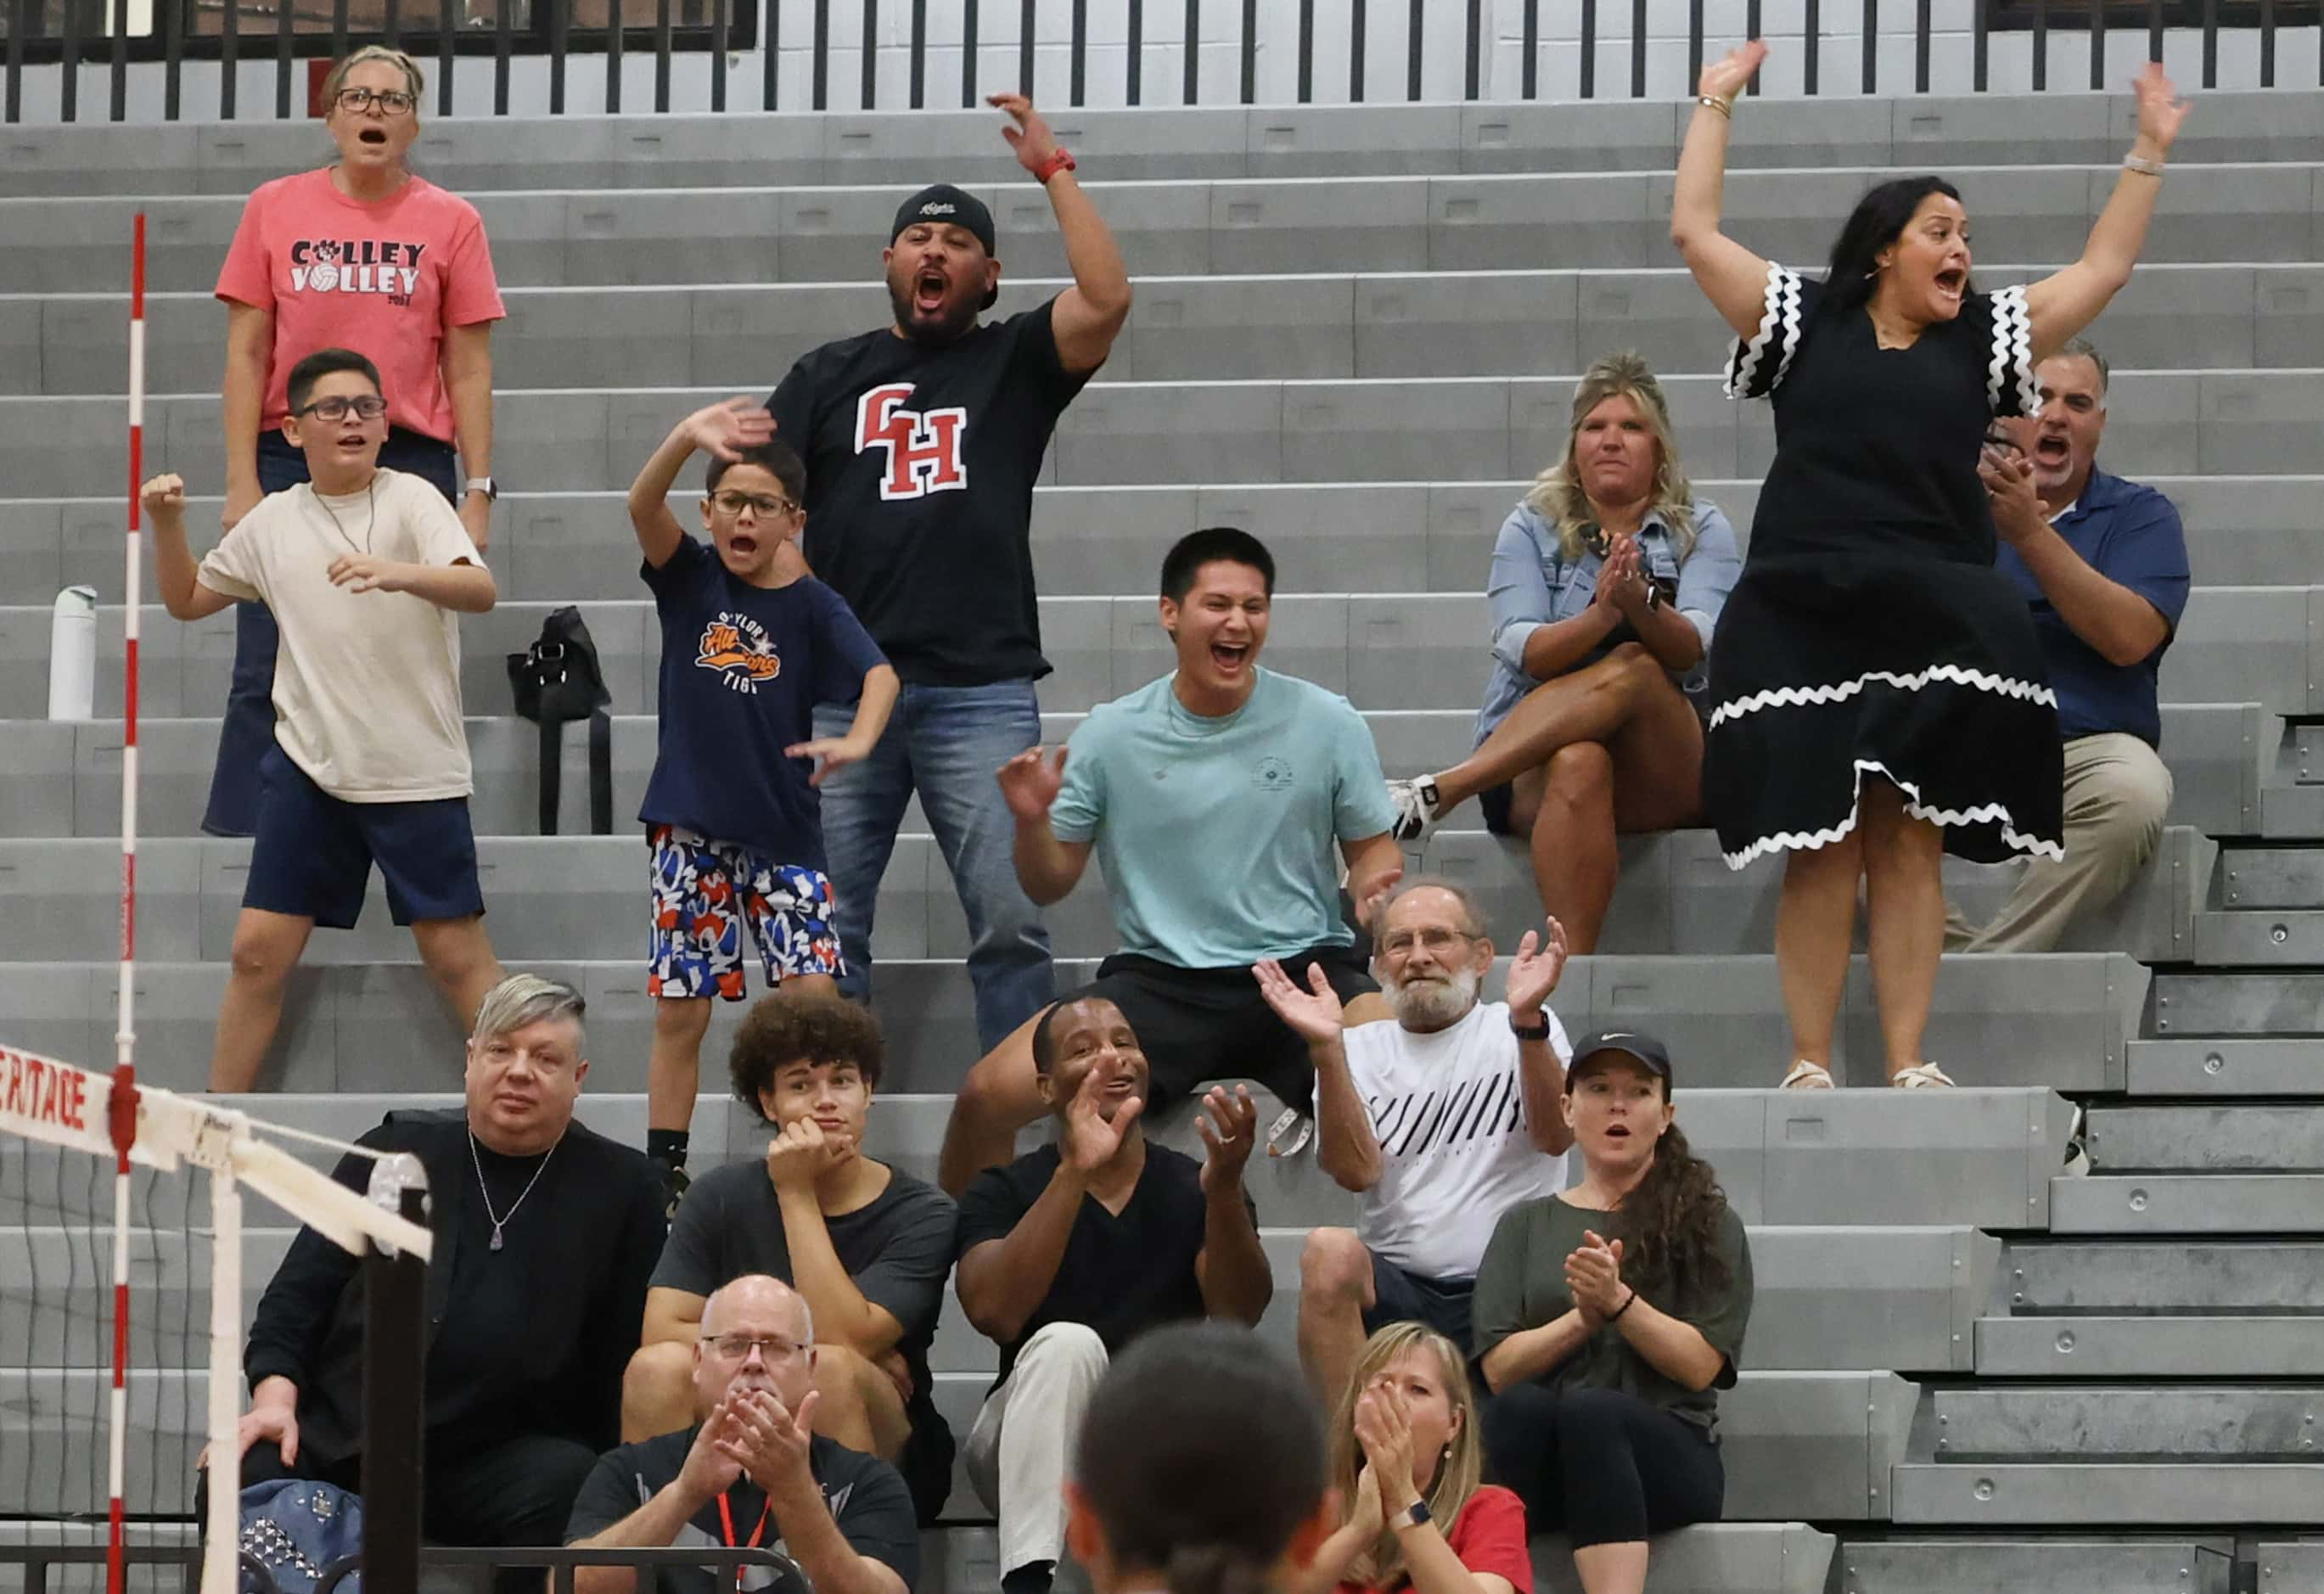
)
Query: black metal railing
[
  {"x": 782, "y": 1573},
  {"x": 64, "y": 34}
]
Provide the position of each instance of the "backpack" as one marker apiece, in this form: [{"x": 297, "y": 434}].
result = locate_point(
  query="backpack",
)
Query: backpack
[
  {"x": 295, "y": 1535},
  {"x": 555, "y": 681}
]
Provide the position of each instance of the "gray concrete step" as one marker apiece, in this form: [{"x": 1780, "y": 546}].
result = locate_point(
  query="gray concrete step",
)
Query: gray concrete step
[
  {"x": 556, "y": 229},
  {"x": 2308, "y": 749},
  {"x": 2224, "y": 421},
  {"x": 1714, "y": 1558},
  {"x": 2073, "y": 1564},
  {"x": 1827, "y": 1298},
  {"x": 2286, "y": 937},
  {"x": 2055, "y": 1019},
  {"x": 2255, "y": 878},
  {"x": 581, "y": 897},
  {"x": 2291, "y": 1566},
  {"x": 2225, "y": 1067},
  {"x": 2180, "y": 1278},
  {"x": 2138, "y": 1347},
  {"x": 2274, "y": 1004},
  {"x": 2281, "y": 1138},
  {"x": 2242, "y": 530},
  {"x": 737, "y": 148},
  {"x": 1198, "y": 327},
  {"x": 2188, "y": 1203}
]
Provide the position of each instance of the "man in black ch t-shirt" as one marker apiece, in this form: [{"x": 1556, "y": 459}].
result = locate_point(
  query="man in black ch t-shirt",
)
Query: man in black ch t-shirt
[
  {"x": 751, "y": 1471},
  {"x": 867, "y": 1246},
  {"x": 1072, "y": 1251},
  {"x": 923, "y": 440}
]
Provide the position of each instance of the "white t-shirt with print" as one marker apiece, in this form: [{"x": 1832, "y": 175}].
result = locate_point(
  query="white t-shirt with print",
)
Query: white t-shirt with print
[
  {"x": 1448, "y": 1109},
  {"x": 367, "y": 685}
]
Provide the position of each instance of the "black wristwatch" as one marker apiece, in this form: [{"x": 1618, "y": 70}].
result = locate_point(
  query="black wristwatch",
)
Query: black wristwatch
[
  {"x": 1529, "y": 1031},
  {"x": 1412, "y": 1515}
]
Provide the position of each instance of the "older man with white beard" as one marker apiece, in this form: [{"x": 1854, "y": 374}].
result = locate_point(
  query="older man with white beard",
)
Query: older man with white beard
[{"x": 1441, "y": 1120}]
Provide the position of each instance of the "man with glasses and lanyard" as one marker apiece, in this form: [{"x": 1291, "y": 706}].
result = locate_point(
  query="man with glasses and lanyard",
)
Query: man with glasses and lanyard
[{"x": 751, "y": 1471}]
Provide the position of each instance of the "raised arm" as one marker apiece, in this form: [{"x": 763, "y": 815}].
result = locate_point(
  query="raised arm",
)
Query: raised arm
[
  {"x": 1730, "y": 276},
  {"x": 723, "y": 430},
  {"x": 175, "y": 571},
  {"x": 2062, "y": 304},
  {"x": 1047, "y": 867},
  {"x": 1345, "y": 1144},
  {"x": 1231, "y": 1267},
  {"x": 1088, "y": 316}
]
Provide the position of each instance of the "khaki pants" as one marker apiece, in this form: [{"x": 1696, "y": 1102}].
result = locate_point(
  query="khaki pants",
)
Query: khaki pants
[
  {"x": 2117, "y": 790},
  {"x": 1022, "y": 1445}
]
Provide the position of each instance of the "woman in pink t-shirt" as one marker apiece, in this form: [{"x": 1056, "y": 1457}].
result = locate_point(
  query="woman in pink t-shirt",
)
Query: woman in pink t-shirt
[
  {"x": 360, "y": 255},
  {"x": 1406, "y": 1459}
]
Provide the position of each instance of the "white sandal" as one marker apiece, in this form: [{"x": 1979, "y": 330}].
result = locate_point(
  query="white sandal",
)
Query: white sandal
[
  {"x": 1921, "y": 1076},
  {"x": 1807, "y": 1076}
]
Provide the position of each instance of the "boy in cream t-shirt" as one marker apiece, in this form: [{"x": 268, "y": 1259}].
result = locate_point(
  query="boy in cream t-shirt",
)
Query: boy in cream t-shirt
[{"x": 364, "y": 570}]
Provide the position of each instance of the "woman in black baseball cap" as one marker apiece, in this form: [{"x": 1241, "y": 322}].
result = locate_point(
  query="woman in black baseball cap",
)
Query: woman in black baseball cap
[{"x": 1607, "y": 1318}]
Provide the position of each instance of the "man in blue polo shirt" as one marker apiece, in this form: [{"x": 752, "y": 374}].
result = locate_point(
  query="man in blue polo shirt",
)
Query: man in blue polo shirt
[{"x": 2104, "y": 564}]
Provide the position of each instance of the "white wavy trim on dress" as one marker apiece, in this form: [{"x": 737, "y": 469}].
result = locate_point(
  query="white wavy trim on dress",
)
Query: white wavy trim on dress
[
  {"x": 2012, "y": 362},
  {"x": 1838, "y": 691},
  {"x": 1782, "y": 313},
  {"x": 1793, "y": 841}
]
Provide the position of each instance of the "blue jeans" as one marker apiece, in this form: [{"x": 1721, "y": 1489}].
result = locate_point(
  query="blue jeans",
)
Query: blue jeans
[
  {"x": 248, "y": 732},
  {"x": 949, "y": 743}
]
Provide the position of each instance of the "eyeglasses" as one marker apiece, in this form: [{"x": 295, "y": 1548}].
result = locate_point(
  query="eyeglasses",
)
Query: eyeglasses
[
  {"x": 738, "y": 1347},
  {"x": 370, "y": 406},
  {"x": 735, "y": 503},
  {"x": 1399, "y": 943},
  {"x": 392, "y": 102}
]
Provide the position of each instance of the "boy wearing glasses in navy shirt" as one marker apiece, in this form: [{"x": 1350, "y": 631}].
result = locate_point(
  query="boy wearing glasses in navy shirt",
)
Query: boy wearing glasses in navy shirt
[
  {"x": 366, "y": 570},
  {"x": 733, "y": 815}
]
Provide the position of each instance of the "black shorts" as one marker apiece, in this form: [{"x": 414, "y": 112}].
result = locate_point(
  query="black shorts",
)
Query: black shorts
[
  {"x": 1495, "y": 802},
  {"x": 1397, "y": 1296},
  {"x": 1195, "y": 1025},
  {"x": 314, "y": 854}
]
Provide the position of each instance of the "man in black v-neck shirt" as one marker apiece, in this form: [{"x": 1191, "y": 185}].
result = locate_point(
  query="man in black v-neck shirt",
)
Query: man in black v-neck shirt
[
  {"x": 546, "y": 1235},
  {"x": 923, "y": 440},
  {"x": 1070, "y": 1252}
]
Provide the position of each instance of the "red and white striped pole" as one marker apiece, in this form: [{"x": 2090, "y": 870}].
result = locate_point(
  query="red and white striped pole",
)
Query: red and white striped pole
[{"x": 123, "y": 1114}]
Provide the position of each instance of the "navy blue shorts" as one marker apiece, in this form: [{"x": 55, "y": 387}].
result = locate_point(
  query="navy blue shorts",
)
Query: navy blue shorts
[
  {"x": 313, "y": 852},
  {"x": 1397, "y": 1296}
]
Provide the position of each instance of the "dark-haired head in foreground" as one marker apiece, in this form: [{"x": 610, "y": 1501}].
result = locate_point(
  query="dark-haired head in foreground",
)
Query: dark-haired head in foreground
[
  {"x": 1202, "y": 1463},
  {"x": 1218, "y": 590}
]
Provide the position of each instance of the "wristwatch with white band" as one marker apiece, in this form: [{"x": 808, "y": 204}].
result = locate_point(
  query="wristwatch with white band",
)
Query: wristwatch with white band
[{"x": 484, "y": 485}]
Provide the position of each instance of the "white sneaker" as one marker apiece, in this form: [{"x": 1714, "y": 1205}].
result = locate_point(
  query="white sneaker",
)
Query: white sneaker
[{"x": 1417, "y": 813}]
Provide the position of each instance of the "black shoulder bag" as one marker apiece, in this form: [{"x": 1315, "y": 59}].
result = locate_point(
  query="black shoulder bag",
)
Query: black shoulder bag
[{"x": 555, "y": 681}]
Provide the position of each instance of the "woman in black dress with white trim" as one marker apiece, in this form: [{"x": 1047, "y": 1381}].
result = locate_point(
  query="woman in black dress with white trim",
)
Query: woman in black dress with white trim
[{"x": 1878, "y": 695}]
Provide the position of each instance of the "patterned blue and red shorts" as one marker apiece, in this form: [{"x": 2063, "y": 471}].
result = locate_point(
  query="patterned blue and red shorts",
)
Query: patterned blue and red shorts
[{"x": 706, "y": 892}]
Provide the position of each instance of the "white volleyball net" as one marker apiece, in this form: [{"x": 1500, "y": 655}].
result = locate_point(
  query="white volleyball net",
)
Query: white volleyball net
[{"x": 123, "y": 1303}]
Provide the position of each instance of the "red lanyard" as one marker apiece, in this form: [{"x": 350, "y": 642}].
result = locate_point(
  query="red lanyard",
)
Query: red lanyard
[{"x": 726, "y": 1527}]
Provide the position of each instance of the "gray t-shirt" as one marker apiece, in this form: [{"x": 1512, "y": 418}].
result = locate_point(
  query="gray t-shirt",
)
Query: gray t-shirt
[
  {"x": 1521, "y": 1285},
  {"x": 897, "y": 1248}
]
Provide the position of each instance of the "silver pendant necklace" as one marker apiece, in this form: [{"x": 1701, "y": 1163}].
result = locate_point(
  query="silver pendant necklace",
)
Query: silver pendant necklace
[
  {"x": 371, "y": 498},
  {"x": 499, "y": 1221}
]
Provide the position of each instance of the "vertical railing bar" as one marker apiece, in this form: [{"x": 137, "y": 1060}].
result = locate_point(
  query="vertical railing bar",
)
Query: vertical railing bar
[
  {"x": 1694, "y": 41},
  {"x": 229, "y": 58},
  {"x": 1871, "y": 50},
  {"x": 68, "y": 88},
  {"x": 2154, "y": 30},
  {"x": 2211, "y": 43},
  {"x": 1588, "y": 49},
  {"x": 718, "y": 31},
  {"x": 661, "y": 54},
  {"x": 919, "y": 53},
  {"x": 1134, "y": 70},
  {"x": 391, "y": 25},
  {"x": 1980, "y": 51},
  {"x": 771, "y": 55},
  {"x": 2267, "y": 43},
  {"x": 1412, "y": 54},
  {"x": 1307, "y": 51},
  {"x": 1077, "y": 56},
  {"x": 340, "y": 28},
  {"x": 1530, "y": 76},
  {"x": 615, "y": 41},
  {"x": 2040, "y": 45},
  {"x": 557, "y": 63},
  {"x": 504, "y": 41},
  {"x": 1752, "y": 23},
  {"x": 285, "y": 46},
  {"x": 1811, "y": 40},
  {"x": 117, "y": 66},
  {"x": 173, "y": 57},
  {"x": 447, "y": 29},
  {"x": 20, "y": 23},
  {"x": 1193, "y": 50},
  {"x": 2097, "y": 43},
  {"x": 968, "y": 57},
  {"x": 1025, "y": 20},
  {"x": 1357, "y": 28},
  {"x": 870, "y": 88},
  {"x": 1472, "y": 76},
  {"x": 1922, "y": 24},
  {"x": 1249, "y": 52},
  {"x": 822, "y": 61},
  {"x": 1638, "y": 48}
]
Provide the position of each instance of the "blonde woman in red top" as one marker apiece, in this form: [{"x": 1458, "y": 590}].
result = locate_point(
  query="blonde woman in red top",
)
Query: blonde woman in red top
[{"x": 1406, "y": 1461}]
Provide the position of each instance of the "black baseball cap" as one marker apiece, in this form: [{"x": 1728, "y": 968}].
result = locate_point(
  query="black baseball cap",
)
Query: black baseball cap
[{"x": 1648, "y": 1051}]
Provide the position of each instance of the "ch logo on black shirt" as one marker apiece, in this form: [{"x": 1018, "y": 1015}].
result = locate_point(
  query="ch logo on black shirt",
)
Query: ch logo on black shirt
[{"x": 923, "y": 452}]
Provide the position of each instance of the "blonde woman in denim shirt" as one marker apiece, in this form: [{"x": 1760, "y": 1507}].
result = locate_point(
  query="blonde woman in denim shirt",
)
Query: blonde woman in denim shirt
[{"x": 1605, "y": 583}]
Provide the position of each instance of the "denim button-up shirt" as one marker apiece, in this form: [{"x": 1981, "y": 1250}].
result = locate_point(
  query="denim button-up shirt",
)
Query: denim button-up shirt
[{"x": 1533, "y": 585}]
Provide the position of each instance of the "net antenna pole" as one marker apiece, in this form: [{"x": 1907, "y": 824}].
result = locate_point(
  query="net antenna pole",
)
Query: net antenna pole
[{"x": 122, "y": 1104}]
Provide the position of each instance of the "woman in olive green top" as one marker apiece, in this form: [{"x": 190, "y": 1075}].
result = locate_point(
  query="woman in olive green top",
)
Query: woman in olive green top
[{"x": 1606, "y": 1319}]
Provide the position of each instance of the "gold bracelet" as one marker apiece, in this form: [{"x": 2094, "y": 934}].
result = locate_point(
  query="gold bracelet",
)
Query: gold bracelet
[{"x": 1724, "y": 106}]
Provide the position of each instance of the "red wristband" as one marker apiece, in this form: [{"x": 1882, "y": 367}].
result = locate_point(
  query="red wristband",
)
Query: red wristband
[{"x": 1061, "y": 158}]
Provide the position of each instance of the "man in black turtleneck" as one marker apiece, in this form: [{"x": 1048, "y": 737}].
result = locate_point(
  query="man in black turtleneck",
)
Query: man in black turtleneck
[{"x": 546, "y": 1235}]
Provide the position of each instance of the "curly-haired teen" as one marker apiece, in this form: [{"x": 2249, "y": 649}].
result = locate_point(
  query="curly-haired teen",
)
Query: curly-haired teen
[
  {"x": 868, "y": 1245},
  {"x": 1607, "y": 1317}
]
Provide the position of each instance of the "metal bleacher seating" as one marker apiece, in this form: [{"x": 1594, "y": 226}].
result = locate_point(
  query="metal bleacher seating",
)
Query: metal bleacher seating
[{"x": 1969, "y": 1369}]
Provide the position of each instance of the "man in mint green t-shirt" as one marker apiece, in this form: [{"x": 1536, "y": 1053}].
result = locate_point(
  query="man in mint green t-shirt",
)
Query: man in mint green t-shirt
[{"x": 1221, "y": 800}]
